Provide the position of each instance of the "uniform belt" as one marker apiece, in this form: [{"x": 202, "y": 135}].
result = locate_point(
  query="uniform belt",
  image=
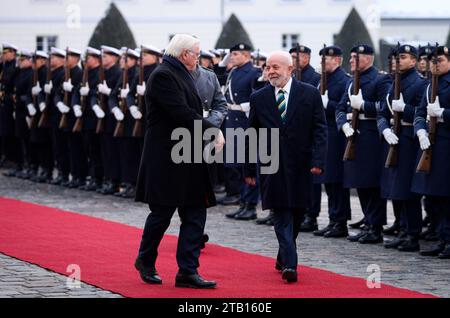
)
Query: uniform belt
[
  {"x": 360, "y": 117},
  {"x": 235, "y": 107},
  {"x": 402, "y": 122}
]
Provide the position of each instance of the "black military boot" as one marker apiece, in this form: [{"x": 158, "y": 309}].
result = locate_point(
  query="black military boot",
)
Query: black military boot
[
  {"x": 358, "y": 224},
  {"x": 393, "y": 230},
  {"x": 411, "y": 244},
  {"x": 230, "y": 200},
  {"x": 309, "y": 224},
  {"x": 238, "y": 211},
  {"x": 338, "y": 230},
  {"x": 445, "y": 254},
  {"x": 396, "y": 242},
  {"x": 248, "y": 214},
  {"x": 325, "y": 229},
  {"x": 129, "y": 192},
  {"x": 435, "y": 250},
  {"x": 374, "y": 236},
  {"x": 355, "y": 238}
]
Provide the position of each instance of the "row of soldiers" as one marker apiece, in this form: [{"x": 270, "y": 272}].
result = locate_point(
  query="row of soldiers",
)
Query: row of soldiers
[
  {"x": 388, "y": 137},
  {"x": 86, "y": 122}
]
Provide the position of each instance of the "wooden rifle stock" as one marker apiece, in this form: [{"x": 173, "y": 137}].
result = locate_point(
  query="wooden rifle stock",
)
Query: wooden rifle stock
[
  {"x": 118, "y": 131},
  {"x": 323, "y": 78},
  {"x": 34, "y": 120},
  {"x": 63, "y": 123},
  {"x": 298, "y": 70},
  {"x": 392, "y": 157},
  {"x": 44, "y": 115},
  {"x": 350, "y": 148},
  {"x": 425, "y": 160},
  {"x": 79, "y": 122},
  {"x": 137, "y": 129},
  {"x": 101, "y": 99}
]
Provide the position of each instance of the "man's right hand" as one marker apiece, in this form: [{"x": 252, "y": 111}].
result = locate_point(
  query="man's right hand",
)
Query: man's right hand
[
  {"x": 48, "y": 87},
  {"x": 348, "y": 130},
  {"x": 423, "y": 139},
  {"x": 104, "y": 89},
  {"x": 36, "y": 89},
  {"x": 251, "y": 181}
]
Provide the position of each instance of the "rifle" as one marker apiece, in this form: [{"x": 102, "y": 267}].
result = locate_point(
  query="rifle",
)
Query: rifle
[
  {"x": 298, "y": 70},
  {"x": 2, "y": 93},
  {"x": 44, "y": 116},
  {"x": 101, "y": 98},
  {"x": 118, "y": 132},
  {"x": 392, "y": 157},
  {"x": 63, "y": 122},
  {"x": 323, "y": 78},
  {"x": 137, "y": 130},
  {"x": 258, "y": 58},
  {"x": 33, "y": 121},
  {"x": 349, "y": 153},
  {"x": 79, "y": 122},
  {"x": 427, "y": 69},
  {"x": 425, "y": 160}
]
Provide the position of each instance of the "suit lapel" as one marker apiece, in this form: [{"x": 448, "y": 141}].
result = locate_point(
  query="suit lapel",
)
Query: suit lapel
[
  {"x": 272, "y": 104},
  {"x": 295, "y": 96}
]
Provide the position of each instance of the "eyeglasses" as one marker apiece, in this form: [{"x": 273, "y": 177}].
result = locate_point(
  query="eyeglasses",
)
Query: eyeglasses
[{"x": 197, "y": 55}]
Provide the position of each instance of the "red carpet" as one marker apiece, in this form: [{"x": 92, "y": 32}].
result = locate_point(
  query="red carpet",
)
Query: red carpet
[{"x": 105, "y": 251}]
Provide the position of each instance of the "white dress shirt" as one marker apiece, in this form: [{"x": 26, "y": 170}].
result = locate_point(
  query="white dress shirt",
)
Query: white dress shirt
[{"x": 287, "y": 91}]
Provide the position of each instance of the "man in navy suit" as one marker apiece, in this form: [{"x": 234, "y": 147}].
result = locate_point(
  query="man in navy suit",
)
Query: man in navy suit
[{"x": 293, "y": 111}]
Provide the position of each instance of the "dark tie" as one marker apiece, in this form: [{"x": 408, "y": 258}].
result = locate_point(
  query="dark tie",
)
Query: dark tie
[{"x": 281, "y": 104}]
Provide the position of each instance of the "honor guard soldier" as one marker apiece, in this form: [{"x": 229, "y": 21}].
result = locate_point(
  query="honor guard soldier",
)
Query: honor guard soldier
[
  {"x": 339, "y": 211},
  {"x": 362, "y": 169},
  {"x": 83, "y": 99},
  {"x": 125, "y": 112},
  {"x": 397, "y": 175},
  {"x": 206, "y": 59},
  {"x": 423, "y": 66},
  {"x": 106, "y": 120},
  {"x": 40, "y": 136},
  {"x": 9, "y": 145},
  {"x": 434, "y": 180},
  {"x": 240, "y": 85}
]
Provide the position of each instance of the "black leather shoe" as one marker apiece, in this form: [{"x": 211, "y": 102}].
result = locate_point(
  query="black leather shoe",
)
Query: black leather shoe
[
  {"x": 205, "y": 239},
  {"x": 109, "y": 189},
  {"x": 411, "y": 244},
  {"x": 309, "y": 224},
  {"x": 230, "y": 200},
  {"x": 396, "y": 242},
  {"x": 289, "y": 275},
  {"x": 392, "y": 230},
  {"x": 435, "y": 250},
  {"x": 339, "y": 230},
  {"x": 59, "y": 180},
  {"x": 12, "y": 173},
  {"x": 358, "y": 224},
  {"x": 129, "y": 192},
  {"x": 325, "y": 229},
  {"x": 44, "y": 177},
  {"x": 193, "y": 281},
  {"x": 357, "y": 236},
  {"x": 265, "y": 220},
  {"x": 238, "y": 211},
  {"x": 75, "y": 184},
  {"x": 248, "y": 214},
  {"x": 445, "y": 254},
  {"x": 148, "y": 274},
  {"x": 432, "y": 237},
  {"x": 372, "y": 237}
]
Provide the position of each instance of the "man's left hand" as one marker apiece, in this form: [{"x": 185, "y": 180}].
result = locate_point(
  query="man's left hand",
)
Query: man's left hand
[{"x": 316, "y": 171}]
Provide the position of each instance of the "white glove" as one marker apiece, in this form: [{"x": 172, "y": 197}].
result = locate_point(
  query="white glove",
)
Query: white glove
[
  {"x": 77, "y": 111},
  {"x": 434, "y": 109},
  {"x": 423, "y": 139},
  {"x": 48, "y": 87},
  {"x": 36, "y": 89},
  {"x": 31, "y": 110},
  {"x": 64, "y": 109},
  {"x": 104, "y": 89},
  {"x": 141, "y": 89},
  {"x": 357, "y": 101},
  {"x": 348, "y": 130},
  {"x": 98, "y": 111},
  {"x": 325, "y": 99},
  {"x": 42, "y": 106},
  {"x": 67, "y": 86},
  {"x": 84, "y": 90},
  {"x": 135, "y": 112},
  {"x": 390, "y": 137},
  {"x": 398, "y": 105},
  {"x": 118, "y": 113},
  {"x": 125, "y": 91}
]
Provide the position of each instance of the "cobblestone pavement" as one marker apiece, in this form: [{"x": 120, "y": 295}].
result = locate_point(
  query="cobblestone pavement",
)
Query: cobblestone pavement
[{"x": 407, "y": 270}]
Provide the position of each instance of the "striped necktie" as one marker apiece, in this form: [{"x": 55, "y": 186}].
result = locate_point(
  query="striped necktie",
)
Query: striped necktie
[{"x": 281, "y": 104}]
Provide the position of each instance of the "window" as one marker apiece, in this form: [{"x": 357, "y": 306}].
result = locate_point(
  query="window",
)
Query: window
[
  {"x": 288, "y": 41},
  {"x": 44, "y": 43}
]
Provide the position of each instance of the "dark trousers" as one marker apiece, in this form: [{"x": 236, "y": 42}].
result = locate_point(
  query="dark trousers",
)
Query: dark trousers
[
  {"x": 442, "y": 212},
  {"x": 11, "y": 149},
  {"x": 233, "y": 180},
  {"x": 60, "y": 142},
  {"x": 110, "y": 157},
  {"x": 78, "y": 158},
  {"x": 191, "y": 232},
  {"x": 287, "y": 224},
  {"x": 411, "y": 215},
  {"x": 92, "y": 147},
  {"x": 397, "y": 206},
  {"x": 373, "y": 206},
  {"x": 316, "y": 201},
  {"x": 339, "y": 209},
  {"x": 130, "y": 157}
]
